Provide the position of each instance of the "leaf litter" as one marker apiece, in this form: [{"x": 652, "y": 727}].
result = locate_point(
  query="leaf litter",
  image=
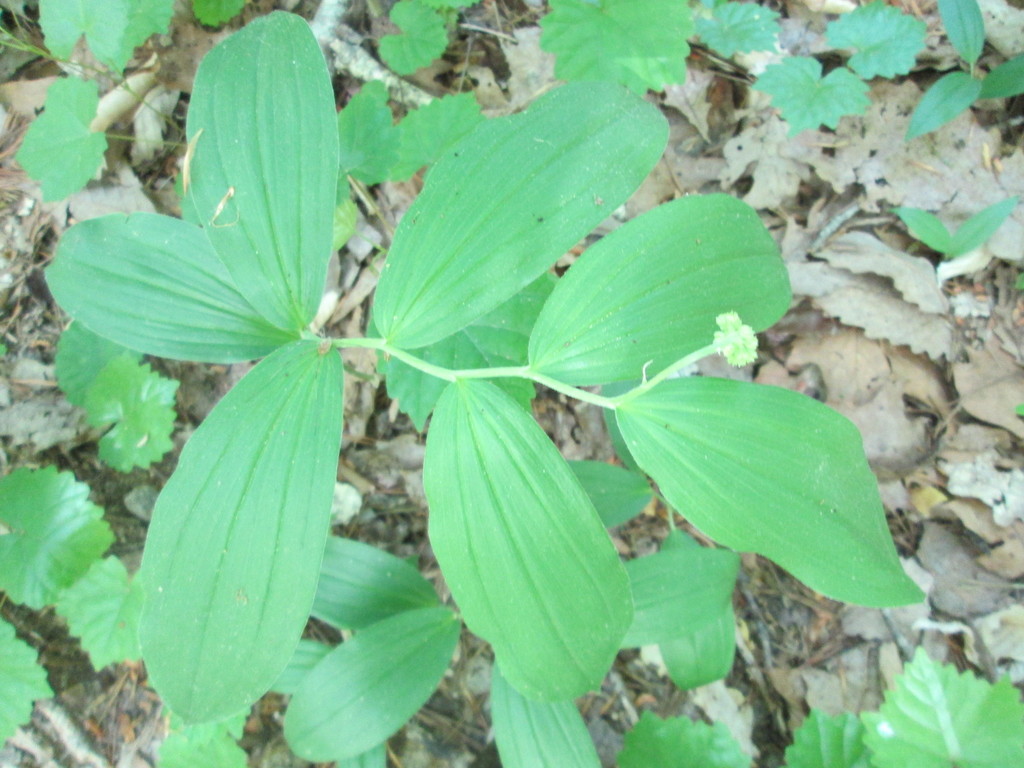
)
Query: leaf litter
[{"x": 929, "y": 371}]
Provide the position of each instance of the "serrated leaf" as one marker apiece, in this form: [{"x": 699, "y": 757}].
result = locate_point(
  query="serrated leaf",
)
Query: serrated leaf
[
  {"x": 103, "y": 609},
  {"x": 677, "y": 591},
  {"x": 926, "y": 227},
  {"x": 202, "y": 746},
  {"x": 1005, "y": 81},
  {"x": 826, "y": 741},
  {"x": 976, "y": 231},
  {"x": 965, "y": 27},
  {"x": 640, "y": 44},
  {"x": 366, "y": 688},
  {"x": 233, "y": 552},
  {"x": 423, "y": 38},
  {"x": 103, "y": 24},
  {"x": 936, "y": 717},
  {"x": 81, "y": 355},
  {"x": 264, "y": 103},
  {"x": 617, "y": 494},
  {"x": 702, "y": 655},
  {"x": 739, "y": 28},
  {"x": 766, "y": 470},
  {"x": 430, "y": 131},
  {"x": 538, "y": 733},
  {"x": 507, "y": 517},
  {"x": 647, "y": 294},
  {"x": 165, "y": 292},
  {"x": 361, "y": 585},
  {"x": 59, "y": 150},
  {"x": 307, "y": 655},
  {"x": 680, "y": 743},
  {"x": 56, "y": 534},
  {"x": 145, "y": 18},
  {"x": 526, "y": 187},
  {"x": 22, "y": 681},
  {"x": 139, "y": 403},
  {"x": 499, "y": 338},
  {"x": 887, "y": 40},
  {"x": 947, "y": 98},
  {"x": 368, "y": 138},
  {"x": 806, "y": 99},
  {"x": 213, "y": 13}
]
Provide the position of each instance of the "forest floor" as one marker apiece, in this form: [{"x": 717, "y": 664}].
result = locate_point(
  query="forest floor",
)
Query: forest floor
[{"x": 930, "y": 372}]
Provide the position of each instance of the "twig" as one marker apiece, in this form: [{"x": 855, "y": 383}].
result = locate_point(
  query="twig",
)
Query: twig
[
  {"x": 69, "y": 736},
  {"x": 488, "y": 31}
]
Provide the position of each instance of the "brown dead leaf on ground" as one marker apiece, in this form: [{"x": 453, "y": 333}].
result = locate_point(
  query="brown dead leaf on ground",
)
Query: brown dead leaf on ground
[{"x": 991, "y": 386}]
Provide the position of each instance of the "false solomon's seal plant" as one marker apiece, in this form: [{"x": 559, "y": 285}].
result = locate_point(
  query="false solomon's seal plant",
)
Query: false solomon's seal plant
[{"x": 234, "y": 551}]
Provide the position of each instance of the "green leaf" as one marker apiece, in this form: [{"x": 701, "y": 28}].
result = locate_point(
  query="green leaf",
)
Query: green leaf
[
  {"x": 1005, "y": 81},
  {"x": 361, "y": 585},
  {"x": 507, "y": 517},
  {"x": 265, "y": 169},
  {"x": 145, "y": 18},
  {"x": 139, "y": 403},
  {"x": 806, "y": 99},
  {"x": 81, "y": 355},
  {"x": 367, "y": 135},
  {"x": 926, "y": 227},
  {"x": 507, "y": 201},
  {"x": 947, "y": 98},
  {"x": 936, "y": 717},
  {"x": 702, "y": 655},
  {"x": 965, "y": 27},
  {"x": 887, "y": 40},
  {"x": 448, "y": 3},
  {"x": 366, "y": 688},
  {"x": 308, "y": 654},
  {"x": 55, "y": 535},
  {"x": 976, "y": 231},
  {"x": 233, "y": 552},
  {"x": 22, "y": 681},
  {"x": 213, "y": 13},
  {"x": 640, "y": 44},
  {"x": 103, "y": 608},
  {"x": 164, "y": 291},
  {"x": 103, "y": 24},
  {"x": 677, "y": 591},
  {"x": 825, "y": 741},
  {"x": 680, "y": 743},
  {"x": 60, "y": 150},
  {"x": 617, "y": 494},
  {"x": 648, "y": 293},
  {"x": 373, "y": 758},
  {"x": 499, "y": 338},
  {"x": 766, "y": 470},
  {"x": 423, "y": 38},
  {"x": 430, "y": 131},
  {"x": 203, "y": 746},
  {"x": 739, "y": 28},
  {"x": 538, "y": 733}
]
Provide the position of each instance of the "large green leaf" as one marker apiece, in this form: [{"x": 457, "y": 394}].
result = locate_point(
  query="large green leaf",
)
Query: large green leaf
[
  {"x": 265, "y": 169},
  {"x": 361, "y": 585},
  {"x": 233, "y": 553},
  {"x": 154, "y": 284},
  {"x": 824, "y": 741},
  {"x": 767, "y": 470},
  {"x": 648, "y": 293},
  {"x": 22, "y": 681},
  {"x": 53, "y": 534},
  {"x": 702, "y": 655},
  {"x": 81, "y": 355},
  {"x": 498, "y": 338},
  {"x": 680, "y": 743},
  {"x": 937, "y": 717},
  {"x": 307, "y": 655},
  {"x": 366, "y": 688},
  {"x": 521, "y": 546},
  {"x": 950, "y": 95},
  {"x": 505, "y": 202},
  {"x": 677, "y": 591},
  {"x": 538, "y": 733}
]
